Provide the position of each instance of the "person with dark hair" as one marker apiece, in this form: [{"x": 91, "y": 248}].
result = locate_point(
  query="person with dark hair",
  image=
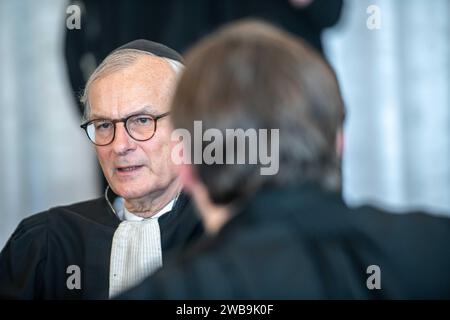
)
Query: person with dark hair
[
  {"x": 288, "y": 234},
  {"x": 99, "y": 248}
]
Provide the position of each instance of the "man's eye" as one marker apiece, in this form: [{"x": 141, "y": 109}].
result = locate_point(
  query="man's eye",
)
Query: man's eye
[
  {"x": 142, "y": 121},
  {"x": 103, "y": 125}
]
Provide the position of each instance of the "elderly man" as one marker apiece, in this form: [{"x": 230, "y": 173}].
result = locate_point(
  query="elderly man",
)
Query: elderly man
[
  {"x": 97, "y": 249},
  {"x": 289, "y": 234}
]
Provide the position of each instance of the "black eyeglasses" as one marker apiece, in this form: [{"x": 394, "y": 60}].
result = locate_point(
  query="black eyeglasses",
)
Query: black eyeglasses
[{"x": 140, "y": 127}]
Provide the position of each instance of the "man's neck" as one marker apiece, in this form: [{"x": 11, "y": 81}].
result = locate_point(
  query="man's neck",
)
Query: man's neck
[{"x": 150, "y": 205}]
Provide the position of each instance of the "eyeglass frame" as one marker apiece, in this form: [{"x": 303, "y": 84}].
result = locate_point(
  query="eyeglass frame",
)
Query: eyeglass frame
[{"x": 124, "y": 120}]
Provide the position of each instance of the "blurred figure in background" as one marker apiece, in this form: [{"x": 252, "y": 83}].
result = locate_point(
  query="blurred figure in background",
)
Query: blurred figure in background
[
  {"x": 287, "y": 235},
  {"x": 306, "y": 18},
  {"x": 99, "y": 248}
]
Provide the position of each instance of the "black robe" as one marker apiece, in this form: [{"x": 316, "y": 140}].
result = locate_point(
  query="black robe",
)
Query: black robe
[
  {"x": 35, "y": 260},
  {"x": 301, "y": 242}
]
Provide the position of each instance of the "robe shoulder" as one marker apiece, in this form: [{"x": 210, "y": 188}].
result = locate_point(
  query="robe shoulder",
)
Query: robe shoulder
[
  {"x": 23, "y": 258},
  {"x": 30, "y": 252}
]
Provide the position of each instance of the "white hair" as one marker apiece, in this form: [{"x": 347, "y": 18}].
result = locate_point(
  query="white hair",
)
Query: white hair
[{"x": 116, "y": 61}]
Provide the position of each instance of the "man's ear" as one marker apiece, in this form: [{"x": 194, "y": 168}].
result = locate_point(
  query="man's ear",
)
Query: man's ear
[
  {"x": 339, "y": 142},
  {"x": 213, "y": 216}
]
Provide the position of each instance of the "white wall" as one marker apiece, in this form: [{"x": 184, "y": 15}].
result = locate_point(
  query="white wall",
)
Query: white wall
[
  {"x": 396, "y": 83},
  {"x": 45, "y": 158}
]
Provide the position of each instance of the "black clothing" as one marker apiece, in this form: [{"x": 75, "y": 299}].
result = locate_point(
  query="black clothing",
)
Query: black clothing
[
  {"x": 301, "y": 242},
  {"x": 34, "y": 262}
]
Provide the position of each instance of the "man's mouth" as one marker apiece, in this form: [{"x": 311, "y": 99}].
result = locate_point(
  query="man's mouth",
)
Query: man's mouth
[{"x": 128, "y": 169}]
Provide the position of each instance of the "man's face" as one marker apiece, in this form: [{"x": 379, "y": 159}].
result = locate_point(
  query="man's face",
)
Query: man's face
[{"x": 136, "y": 169}]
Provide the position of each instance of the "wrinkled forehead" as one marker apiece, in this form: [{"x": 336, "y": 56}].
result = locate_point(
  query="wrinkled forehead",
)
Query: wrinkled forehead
[
  {"x": 146, "y": 69},
  {"x": 149, "y": 82}
]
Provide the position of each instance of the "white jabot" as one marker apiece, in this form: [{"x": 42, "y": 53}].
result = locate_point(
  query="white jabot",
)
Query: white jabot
[{"x": 136, "y": 248}]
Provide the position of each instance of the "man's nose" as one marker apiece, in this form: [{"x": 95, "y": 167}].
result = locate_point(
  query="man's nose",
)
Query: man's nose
[{"x": 122, "y": 142}]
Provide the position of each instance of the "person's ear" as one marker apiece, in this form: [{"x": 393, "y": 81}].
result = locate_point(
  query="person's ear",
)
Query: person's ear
[
  {"x": 188, "y": 177},
  {"x": 213, "y": 216},
  {"x": 339, "y": 144}
]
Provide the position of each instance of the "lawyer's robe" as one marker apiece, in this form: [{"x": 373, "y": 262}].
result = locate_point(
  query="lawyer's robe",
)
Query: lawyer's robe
[{"x": 35, "y": 260}]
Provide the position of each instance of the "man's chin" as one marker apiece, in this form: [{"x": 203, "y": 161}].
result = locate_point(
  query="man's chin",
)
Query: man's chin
[{"x": 131, "y": 191}]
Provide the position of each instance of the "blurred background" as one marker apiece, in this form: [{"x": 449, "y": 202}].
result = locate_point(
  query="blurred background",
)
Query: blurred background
[{"x": 392, "y": 58}]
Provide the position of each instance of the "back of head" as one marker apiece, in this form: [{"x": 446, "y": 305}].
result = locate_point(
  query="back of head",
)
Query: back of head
[{"x": 251, "y": 75}]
